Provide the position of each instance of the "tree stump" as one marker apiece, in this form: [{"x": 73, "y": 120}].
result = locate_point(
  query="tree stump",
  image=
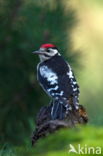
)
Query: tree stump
[{"x": 45, "y": 126}]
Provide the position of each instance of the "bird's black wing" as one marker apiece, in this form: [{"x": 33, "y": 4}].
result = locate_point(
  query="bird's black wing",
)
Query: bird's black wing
[{"x": 57, "y": 78}]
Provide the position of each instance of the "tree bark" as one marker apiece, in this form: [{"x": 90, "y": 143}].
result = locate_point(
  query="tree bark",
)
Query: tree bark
[{"x": 45, "y": 126}]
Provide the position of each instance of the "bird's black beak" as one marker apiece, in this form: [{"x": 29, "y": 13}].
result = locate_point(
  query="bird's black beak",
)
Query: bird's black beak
[{"x": 38, "y": 52}]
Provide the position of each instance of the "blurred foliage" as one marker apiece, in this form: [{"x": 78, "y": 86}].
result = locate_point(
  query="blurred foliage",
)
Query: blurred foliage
[
  {"x": 88, "y": 36},
  {"x": 25, "y": 25},
  {"x": 57, "y": 144}
]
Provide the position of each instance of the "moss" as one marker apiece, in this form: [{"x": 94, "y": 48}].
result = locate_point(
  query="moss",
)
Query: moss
[{"x": 57, "y": 144}]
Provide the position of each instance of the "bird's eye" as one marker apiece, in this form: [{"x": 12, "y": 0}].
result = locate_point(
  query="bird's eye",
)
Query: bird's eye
[{"x": 48, "y": 50}]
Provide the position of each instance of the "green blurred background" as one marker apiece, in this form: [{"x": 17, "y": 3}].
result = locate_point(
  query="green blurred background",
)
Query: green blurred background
[{"x": 76, "y": 27}]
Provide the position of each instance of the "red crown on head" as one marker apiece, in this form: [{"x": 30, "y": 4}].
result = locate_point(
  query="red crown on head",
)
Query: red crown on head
[{"x": 47, "y": 45}]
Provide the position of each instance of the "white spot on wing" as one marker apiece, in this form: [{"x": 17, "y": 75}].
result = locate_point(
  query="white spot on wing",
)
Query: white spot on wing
[
  {"x": 70, "y": 74},
  {"x": 65, "y": 98},
  {"x": 74, "y": 89},
  {"x": 49, "y": 75},
  {"x": 56, "y": 87},
  {"x": 52, "y": 94},
  {"x": 61, "y": 93},
  {"x": 74, "y": 82}
]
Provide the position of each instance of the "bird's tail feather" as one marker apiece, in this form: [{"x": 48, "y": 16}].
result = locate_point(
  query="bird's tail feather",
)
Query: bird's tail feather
[{"x": 57, "y": 110}]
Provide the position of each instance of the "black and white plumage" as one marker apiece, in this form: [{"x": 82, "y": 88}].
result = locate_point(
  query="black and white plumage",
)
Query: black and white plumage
[{"x": 57, "y": 79}]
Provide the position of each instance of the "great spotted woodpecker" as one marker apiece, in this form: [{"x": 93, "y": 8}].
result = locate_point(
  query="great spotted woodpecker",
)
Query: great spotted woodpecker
[{"x": 58, "y": 81}]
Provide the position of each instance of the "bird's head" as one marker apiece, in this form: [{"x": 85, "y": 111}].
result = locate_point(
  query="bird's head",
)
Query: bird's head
[{"x": 47, "y": 51}]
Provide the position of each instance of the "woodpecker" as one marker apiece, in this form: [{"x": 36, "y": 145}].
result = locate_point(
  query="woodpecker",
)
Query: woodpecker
[{"x": 58, "y": 81}]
